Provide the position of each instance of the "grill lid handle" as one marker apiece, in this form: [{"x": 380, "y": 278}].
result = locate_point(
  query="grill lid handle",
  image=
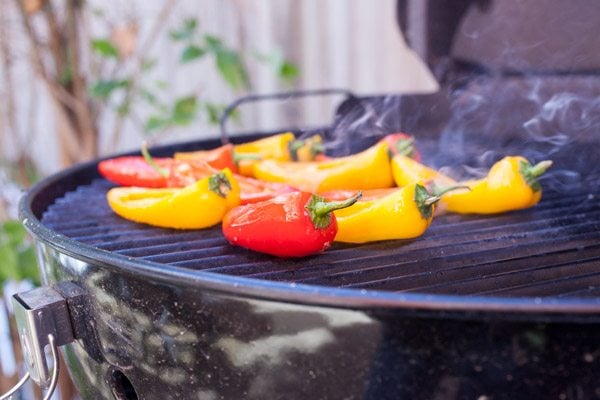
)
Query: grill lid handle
[{"x": 275, "y": 96}]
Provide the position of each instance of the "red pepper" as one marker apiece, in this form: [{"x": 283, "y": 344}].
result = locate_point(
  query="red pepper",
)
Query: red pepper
[
  {"x": 135, "y": 171},
  {"x": 292, "y": 225},
  {"x": 401, "y": 143},
  {"x": 219, "y": 158}
]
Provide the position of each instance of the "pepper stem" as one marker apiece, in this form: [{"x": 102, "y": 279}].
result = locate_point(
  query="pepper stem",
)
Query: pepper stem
[
  {"x": 237, "y": 157},
  {"x": 405, "y": 146},
  {"x": 293, "y": 148},
  {"x": 320, "y": 209},
  {"x": 151, "y": 162},
  {"x": 531, "y": 172},
  {"x": 425, "y": 201},
  {"x": 219, "y": 184}
]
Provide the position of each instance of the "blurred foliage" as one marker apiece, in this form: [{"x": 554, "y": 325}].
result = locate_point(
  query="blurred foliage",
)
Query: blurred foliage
[
  {"x": 17, "y": 254},
  {"x": 229, "y": 63}
]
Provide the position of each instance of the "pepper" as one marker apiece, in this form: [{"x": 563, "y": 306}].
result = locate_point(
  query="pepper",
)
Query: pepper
[
  {"x": 293, "y": 225},
  {"x": 219, "y": 158},
  {"x": 135, "y": 171},
  {"x": 200, "y": 205},
  {"x": 403, "y": 144},
  {"x": 369, "y": 169},
  {"x": 309, "y": 149},
  {"x": 511, "y": 184},
  {"x": 406, "y": 171},
  {"x": 404, "y": 213},
  {"x": 273, "y": 147},
  {"x": 185, "y": 173}
]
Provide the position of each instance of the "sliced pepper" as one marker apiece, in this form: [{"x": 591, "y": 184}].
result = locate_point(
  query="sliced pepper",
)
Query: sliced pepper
[
  {"x": 219, "y": 158},
  {"x": 135, "y": 171},
  {"x": 200, "y": 205},
  {"x": 511, "y": 184},
  {"x": 369, "y": 169},
  {"x": 404, "y": 213}
]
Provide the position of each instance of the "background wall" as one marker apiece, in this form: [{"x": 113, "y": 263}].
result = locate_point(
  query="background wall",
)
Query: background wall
[{"x": 354, "y": 44}]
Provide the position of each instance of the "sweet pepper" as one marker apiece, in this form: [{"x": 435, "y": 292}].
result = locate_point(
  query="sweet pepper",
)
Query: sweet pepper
[
  {"x": 407, "y": 171},
  {"x": 293, "y": 225},
  {"x": 199, "y": 205},
  {"x": 369, "y": 169},
  {"x": 511, "y": 184},
  {"x": 404, "y": 213}
]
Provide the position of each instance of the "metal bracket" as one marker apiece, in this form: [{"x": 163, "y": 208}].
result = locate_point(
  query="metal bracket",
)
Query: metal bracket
[{"x": 41, "y": 314}]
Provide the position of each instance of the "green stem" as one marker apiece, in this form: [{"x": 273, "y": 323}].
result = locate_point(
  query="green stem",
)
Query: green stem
[
  {"x": 405, "y": 147},
  {"x": 531, "y": 172},
  {"x": 219, "y": 184},
  {"x": 237, "y": 157},
  {"x": 293, "y": 148},
  {"x": 425, "y": 201},
  {"x": 150, "y": 161},
  {"x": 320, "y": 209}
]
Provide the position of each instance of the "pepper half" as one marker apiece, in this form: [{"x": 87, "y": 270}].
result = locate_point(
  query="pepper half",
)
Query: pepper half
[
  {"x": 200, "y": 205},
  {"x": 405, "y": 213},
  {"x": 369, "y": 169},
  {"x": 511, "y": 184}
]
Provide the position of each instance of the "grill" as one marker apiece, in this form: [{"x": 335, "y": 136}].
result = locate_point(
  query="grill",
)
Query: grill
[
  {"x": 550, "y": 250},
  {"x": 495, "y": 307}
]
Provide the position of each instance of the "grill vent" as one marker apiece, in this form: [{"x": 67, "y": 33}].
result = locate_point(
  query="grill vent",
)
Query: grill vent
[{"x": 550, "y": 250}]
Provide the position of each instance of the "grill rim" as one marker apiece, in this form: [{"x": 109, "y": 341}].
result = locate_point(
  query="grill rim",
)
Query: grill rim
[{"x": 460, "y": 306}]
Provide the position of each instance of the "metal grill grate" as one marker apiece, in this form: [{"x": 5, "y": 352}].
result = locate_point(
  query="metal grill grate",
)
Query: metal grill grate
[{"x": 550, "y": 250}]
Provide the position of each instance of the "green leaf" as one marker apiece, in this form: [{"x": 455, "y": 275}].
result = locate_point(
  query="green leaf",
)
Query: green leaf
[
  {"x": 232, "y": 69},
  {"x": 229, "y": 63},
  {"x": 104, "y": 88},
  {"x": 288, "y": 72},
  {"x": 191, "y": 53},
  {"x": 214, "y": 112},
  {"x": 185, "y": 110},
  {"x": 186, "y": 31},
  {"x": 12, "y": 233},
  {"x": 9, "y": 262},
  {"x": 105, "y": 48},
  {"x": 155, "y": 123}
]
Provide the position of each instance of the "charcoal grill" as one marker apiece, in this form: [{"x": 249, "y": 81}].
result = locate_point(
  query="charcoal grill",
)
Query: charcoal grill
[{"x": 494, "y": 307}]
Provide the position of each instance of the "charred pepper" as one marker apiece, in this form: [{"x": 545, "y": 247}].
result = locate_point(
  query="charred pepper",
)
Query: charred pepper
[
  {"x": 369, "y": 169},
  {"x": 293, "y": 225},
  {"x": 404, "y": 213},
  {"x": 200, "y": 205},
  {"x": 511, "y": 184}
]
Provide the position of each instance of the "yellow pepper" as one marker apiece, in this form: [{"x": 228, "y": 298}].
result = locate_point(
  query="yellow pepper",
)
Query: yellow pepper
[
  {"x": 274, "y": 147},
  {"x": 406, "y": 171},
  {"x": 403, "y": 214},
  {"x": 199, "y": 205},
  {"x": 309, "y": 149},
  {"x": 369, "y": 169},
  {"x": 511, "y": 184}
]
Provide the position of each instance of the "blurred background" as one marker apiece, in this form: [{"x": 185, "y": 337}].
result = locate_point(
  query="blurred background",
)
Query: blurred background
[{"x": 84, "y": 79}]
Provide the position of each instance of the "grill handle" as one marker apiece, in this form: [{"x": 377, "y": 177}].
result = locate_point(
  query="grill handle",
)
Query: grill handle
[
  {"x": 43, "y": 319},
  {"x": 274, "y": 96}
]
